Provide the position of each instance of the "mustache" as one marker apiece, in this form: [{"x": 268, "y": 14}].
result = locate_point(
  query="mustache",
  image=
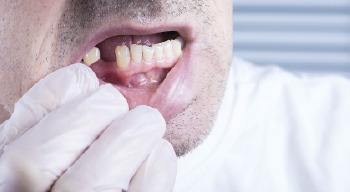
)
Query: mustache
[{"x": 85, "y": 13}]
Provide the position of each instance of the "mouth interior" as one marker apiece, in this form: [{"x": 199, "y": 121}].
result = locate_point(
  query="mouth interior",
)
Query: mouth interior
[{"x": 126, "y": 70}]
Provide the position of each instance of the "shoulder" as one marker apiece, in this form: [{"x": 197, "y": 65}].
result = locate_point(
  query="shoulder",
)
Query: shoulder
[
  {"x": 271, "y": 98},
  {"x": 284, "y": 120}
]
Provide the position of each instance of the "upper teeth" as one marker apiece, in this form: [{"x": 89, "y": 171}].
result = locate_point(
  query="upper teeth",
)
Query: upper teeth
[
  {"x": 136, "y": 53},
  {"x": 161, "y": 54},
  {"x": 123, "y": 56},
  {"x": 92, "y": 56},
  {"x": 147, "y": 53}
]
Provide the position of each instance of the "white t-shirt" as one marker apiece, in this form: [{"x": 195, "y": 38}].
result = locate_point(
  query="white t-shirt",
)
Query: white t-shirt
[{"x": 276, "y": 132}]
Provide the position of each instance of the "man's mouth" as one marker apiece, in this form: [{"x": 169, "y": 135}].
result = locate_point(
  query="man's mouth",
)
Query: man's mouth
[{"x": 149, "y": 69}]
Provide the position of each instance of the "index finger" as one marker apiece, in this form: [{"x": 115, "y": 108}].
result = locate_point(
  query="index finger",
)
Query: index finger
[{"x": 56, "y": 89}]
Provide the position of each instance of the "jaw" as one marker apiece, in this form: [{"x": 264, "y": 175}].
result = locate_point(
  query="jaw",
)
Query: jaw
[{"x": 190, "y": 95}]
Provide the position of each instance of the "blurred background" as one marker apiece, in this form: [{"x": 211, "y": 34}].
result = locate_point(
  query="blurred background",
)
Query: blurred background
[{"x": 299, "y": 35}]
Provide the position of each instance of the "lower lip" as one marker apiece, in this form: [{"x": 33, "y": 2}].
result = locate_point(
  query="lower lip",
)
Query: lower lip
[{"x": 172, "y": 96}]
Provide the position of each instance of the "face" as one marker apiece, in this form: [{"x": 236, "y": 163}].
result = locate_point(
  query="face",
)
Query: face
[{"x": 173, "y": 55}]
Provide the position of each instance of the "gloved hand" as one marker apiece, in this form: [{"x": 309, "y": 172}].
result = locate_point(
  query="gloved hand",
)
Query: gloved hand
[{"x": 69, "y": 134}]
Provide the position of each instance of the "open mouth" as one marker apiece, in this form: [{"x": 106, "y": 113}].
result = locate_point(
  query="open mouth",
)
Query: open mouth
[{"x": 148, "y": 69}]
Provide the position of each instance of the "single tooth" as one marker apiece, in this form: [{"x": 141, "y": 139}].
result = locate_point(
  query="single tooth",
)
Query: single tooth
[
  {"x": 176, "y": 47},
  {"x": 92, "y": 56},
  {"x": 158, "y": 52},
  {"x": 182, "y": 42},
  {"x": 147, "y": 54},
  {"x": 123, "y": 56},
  {"x": 168, "y": 49},
  {"x": 136, "y": 53}
]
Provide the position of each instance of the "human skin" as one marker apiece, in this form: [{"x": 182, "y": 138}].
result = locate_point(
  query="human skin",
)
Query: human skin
[{"x": 38, "y": 37}]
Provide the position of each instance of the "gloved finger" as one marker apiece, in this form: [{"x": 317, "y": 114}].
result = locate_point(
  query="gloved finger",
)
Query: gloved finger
[
  {"x": 113, "y": 159},
  {"x": 56, "y": 89},
  {"x": 158, "y": 172},
  {"x": 46, "y": 150}
]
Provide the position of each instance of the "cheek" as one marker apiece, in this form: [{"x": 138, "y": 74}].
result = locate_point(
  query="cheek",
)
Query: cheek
[
  {"x": 223, "y": 12},
  {"x": 25, "y": 49}
]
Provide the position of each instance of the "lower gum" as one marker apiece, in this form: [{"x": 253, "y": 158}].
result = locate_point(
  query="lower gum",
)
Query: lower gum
[{"x": 150, "y": 79}]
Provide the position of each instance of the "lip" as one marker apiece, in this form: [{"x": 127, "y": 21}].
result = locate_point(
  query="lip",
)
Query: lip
[{"x": 175, "y": 93}]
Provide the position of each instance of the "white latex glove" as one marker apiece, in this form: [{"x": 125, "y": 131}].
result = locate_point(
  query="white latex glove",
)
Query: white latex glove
[
  {"x": 111, "y": 161},
  {"x": 71, "y": 134}
]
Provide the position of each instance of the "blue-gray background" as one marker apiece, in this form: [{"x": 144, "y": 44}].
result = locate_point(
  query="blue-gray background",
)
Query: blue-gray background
[{"x": 306, "y": 35}]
